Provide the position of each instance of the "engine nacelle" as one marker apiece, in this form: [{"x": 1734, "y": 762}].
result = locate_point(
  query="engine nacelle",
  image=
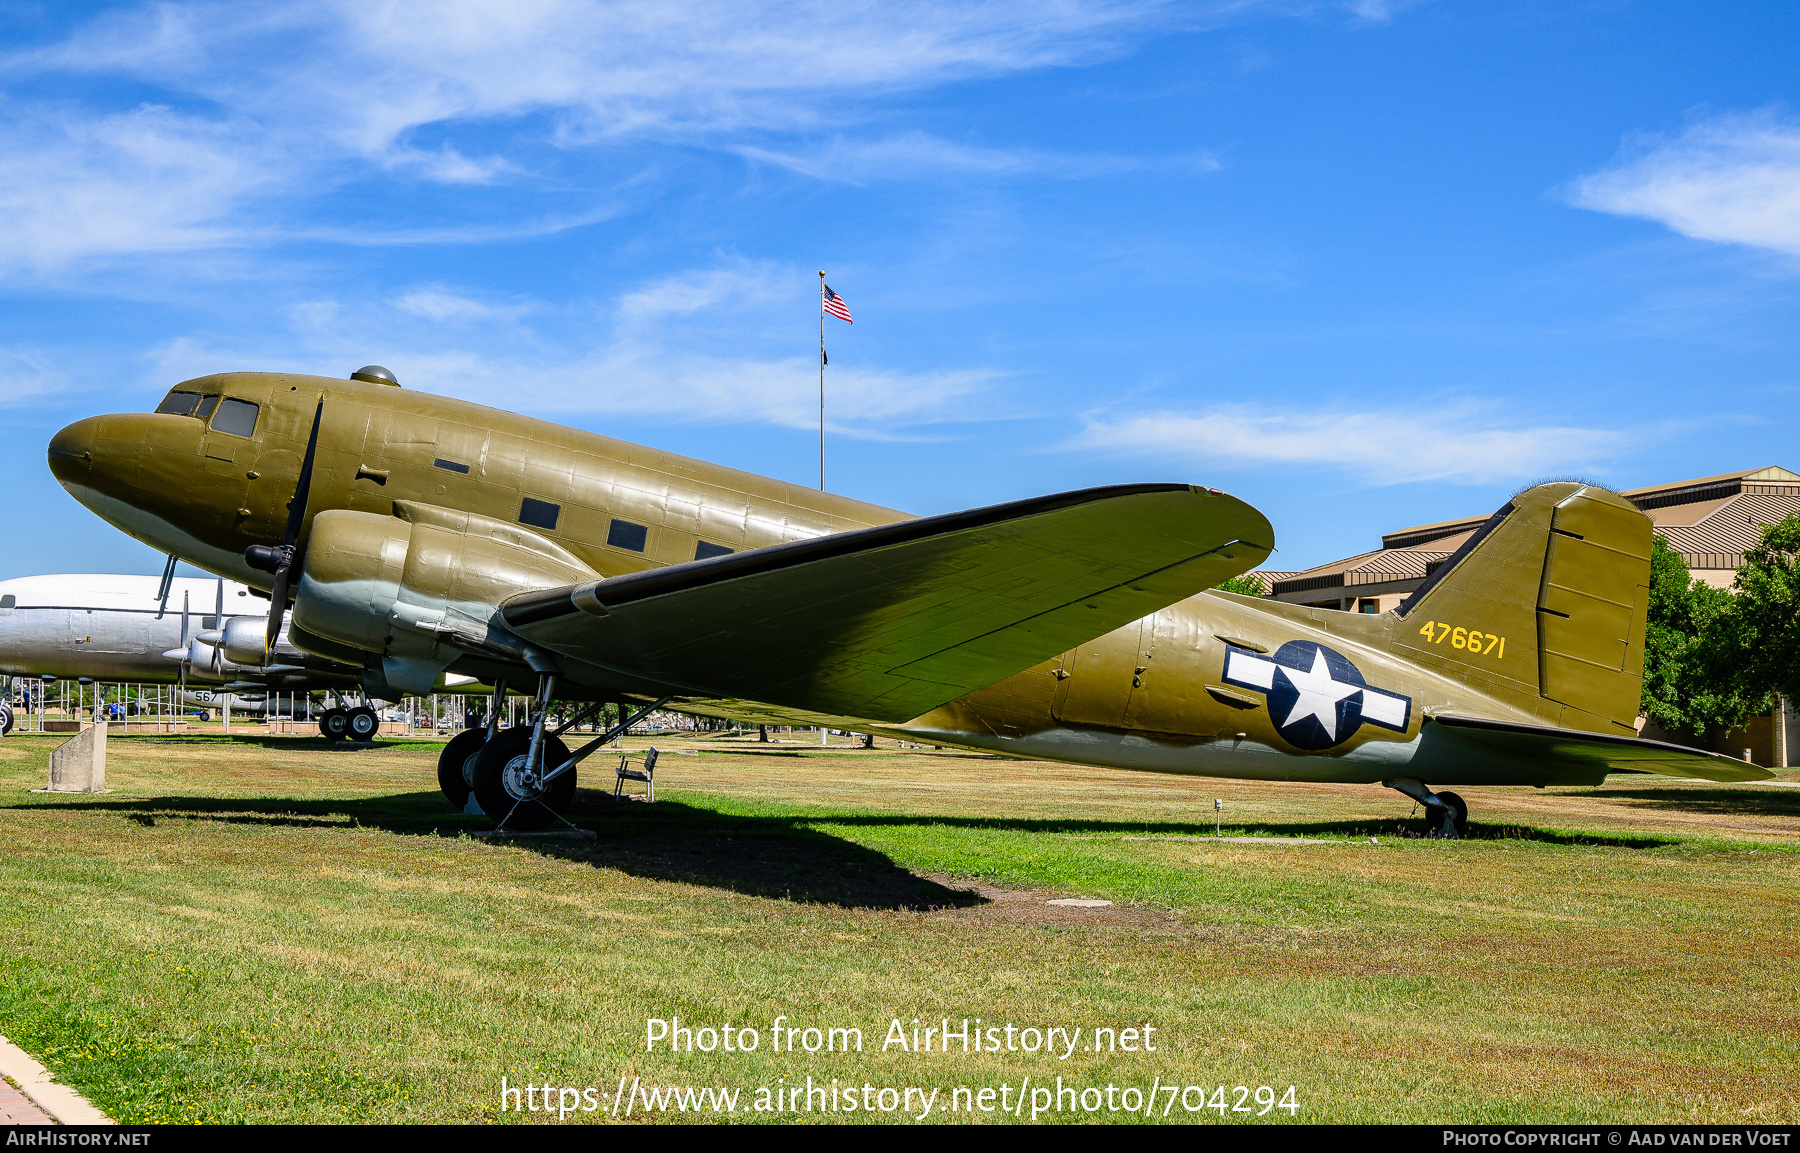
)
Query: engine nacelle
[
  {"x": 421, "y": 588},
  {"x": 242, "y": 640}
]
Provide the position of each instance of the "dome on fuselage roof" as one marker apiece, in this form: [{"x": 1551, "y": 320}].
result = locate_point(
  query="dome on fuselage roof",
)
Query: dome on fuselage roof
[{"x": 374, "y": 374}]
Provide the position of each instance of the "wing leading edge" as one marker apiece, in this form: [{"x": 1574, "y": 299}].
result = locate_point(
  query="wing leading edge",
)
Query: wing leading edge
[{"x": 889, "y": 622}]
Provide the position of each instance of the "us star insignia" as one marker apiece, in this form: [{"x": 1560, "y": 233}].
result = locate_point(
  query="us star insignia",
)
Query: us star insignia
[{"x": 1317, "y": 697}]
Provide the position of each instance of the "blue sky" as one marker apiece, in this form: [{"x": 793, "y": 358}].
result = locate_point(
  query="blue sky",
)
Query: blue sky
[{"x": 1364, "y": 264}]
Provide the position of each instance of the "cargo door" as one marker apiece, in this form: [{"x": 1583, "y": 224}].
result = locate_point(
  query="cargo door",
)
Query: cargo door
[
  {"x": 1164, "y": 677},
  {"x": 1098, "y": 685}
]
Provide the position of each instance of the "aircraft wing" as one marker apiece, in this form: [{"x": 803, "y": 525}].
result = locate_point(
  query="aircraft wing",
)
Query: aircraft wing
[
  {"x": 889, "y": 622},
  {"x": 1600, "y": 749}
]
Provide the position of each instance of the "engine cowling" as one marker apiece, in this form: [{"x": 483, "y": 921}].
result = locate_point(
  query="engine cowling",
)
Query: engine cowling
[
  {"x": 242, "y": 640},
  {"x": 421, "y": 588}
]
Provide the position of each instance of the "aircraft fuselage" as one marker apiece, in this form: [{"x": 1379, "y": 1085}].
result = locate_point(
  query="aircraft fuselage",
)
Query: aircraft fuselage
[{"x": 1214, "y": 685}]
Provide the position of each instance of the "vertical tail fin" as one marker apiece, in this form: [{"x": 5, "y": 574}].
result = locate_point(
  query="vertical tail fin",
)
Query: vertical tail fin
[{"x": 1544, "y": 607}]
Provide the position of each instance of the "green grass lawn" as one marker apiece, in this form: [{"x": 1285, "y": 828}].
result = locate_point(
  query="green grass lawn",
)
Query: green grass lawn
[{"x": 267, "y": 929}]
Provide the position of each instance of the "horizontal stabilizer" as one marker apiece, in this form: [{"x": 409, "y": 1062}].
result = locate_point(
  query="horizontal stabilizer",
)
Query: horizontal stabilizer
[
  {"x": 1599, "y": 750},
  {"x": 889, "y": 622}
]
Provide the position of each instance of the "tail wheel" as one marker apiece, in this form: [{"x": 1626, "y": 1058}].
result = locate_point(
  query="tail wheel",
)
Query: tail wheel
[
  {"x": 456, "y": 766},
  {"x": 363, "y": 723},
  {"x": 503, "y": 790},
  {"x": 1460, "y": 809},
  {"x": 1455, "y": 810},
  {"x": 334, "y": 724}
]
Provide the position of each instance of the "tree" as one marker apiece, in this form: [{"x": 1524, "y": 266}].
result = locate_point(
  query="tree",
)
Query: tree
[
  {"x": 1756, "y": 643},
  {"x": 1688, "y": 633},
  {"x": 1244, "y": 584}
]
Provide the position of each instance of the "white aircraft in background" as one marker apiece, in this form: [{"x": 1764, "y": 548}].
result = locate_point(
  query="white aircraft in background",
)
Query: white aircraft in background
[{"x": 134, "y": 629}]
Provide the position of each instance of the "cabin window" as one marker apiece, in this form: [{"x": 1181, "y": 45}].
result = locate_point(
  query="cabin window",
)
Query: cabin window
[
  {"x": 207, "y": 404},
  {"x": 624, "y": 534},
  {"x": 705, "y": 549},
  {"x": 235, "y": 417},
  {"x": 180, "y": 403},
  {"x": 539, "y": 513},
  {"x": 9, "y": 601},
  {"x": 450, "y": 466}
]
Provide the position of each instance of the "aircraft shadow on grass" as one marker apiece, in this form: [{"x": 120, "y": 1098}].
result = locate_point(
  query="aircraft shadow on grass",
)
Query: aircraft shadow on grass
[
  {"x": 786, "y": 857},
  {"x": 776, "y": 857},
  {"x": 1715, "y": 801}
]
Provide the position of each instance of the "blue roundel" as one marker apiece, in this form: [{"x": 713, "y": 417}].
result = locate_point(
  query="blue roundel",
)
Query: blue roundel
[{"x": 1315, "y": 697}]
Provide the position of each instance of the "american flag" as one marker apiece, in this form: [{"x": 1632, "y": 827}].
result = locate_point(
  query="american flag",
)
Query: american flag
[{"x": 835, "y": 305}]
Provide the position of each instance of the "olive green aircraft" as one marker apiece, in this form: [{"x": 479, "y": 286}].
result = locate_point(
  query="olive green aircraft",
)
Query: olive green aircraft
[{"x": 416, "y": 534}]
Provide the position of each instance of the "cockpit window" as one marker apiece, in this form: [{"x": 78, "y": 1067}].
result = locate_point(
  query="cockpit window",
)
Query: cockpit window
[
  {"x": 237, "y": 417},
  {"x": 206, "y": 406},
  {"x": 180, "y": 403}
]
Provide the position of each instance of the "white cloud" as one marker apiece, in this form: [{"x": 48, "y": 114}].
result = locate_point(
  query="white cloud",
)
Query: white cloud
[
  {"x": 1734, "y": 179},
  {"x": 27, "y": 375},
  {"x": 440, "y": 304},
  {"x": 1465, "y": 444},
  {"x": 280, "y": 98},
  {"x": 918, "y": 155},
  {"x": 1379, "y": 11},
  {"x": 736, "y": 288},
  {"x": 147, "y": 180}
]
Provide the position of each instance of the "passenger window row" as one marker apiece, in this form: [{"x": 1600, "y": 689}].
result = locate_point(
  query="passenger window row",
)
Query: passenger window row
[{"x": 619, "y": 534}]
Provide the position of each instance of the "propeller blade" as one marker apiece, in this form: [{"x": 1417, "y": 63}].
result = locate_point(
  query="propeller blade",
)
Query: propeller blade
[
  {"x": 303, "y": 487},
  {"x": 287, "y": 557},
  {"x": 182, "y": 668},
  {"x": 277, "y": 602},
  {"x": 218, "y": 623}
]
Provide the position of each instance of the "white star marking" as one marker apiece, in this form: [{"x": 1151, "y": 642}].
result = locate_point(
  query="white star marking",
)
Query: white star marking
[{"x": 1319, "y": 694}]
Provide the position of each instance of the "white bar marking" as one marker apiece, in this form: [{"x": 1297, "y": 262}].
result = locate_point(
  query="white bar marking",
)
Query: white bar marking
[{"x": 1251, "y": 671}]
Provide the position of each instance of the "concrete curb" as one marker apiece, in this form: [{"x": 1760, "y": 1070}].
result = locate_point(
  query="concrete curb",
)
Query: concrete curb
[{"x": 61, "y": 1102}]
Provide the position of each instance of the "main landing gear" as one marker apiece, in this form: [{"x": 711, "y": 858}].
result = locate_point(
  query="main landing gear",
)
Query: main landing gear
[
  {"x": 356, "y": 724},
  {"x": 523, "y": 777},
  {"x": 1446, "y": 815}
]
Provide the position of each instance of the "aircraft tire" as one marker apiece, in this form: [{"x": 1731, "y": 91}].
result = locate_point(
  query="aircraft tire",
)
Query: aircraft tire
[
  {"x": 504, "y": 797},
  {"x": 1460, "y": 810},
  {"x": 334, "y": 724},
  {"x": 456, "y": 766},
  {"x": 363, "y": 723},
  {"x": 6, "y": 719}
]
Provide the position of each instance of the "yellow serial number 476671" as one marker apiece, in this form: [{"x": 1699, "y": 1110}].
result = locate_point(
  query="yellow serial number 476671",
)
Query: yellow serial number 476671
[{"x": 1470, "y": 640}]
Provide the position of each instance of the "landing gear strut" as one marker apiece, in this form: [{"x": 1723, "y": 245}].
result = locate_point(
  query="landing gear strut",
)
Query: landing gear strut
[
  {"x": 507, "y": 775},
  {"x": 524, "y": 776},
  {"x": 1446, "y": 815}
]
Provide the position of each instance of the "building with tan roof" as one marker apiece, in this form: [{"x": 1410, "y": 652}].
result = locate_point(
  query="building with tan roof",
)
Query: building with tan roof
[{"x": 1711, "y": 522}]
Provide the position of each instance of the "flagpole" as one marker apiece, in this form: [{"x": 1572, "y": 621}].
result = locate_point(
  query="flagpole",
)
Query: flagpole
[{"x": 821, "y": 380}]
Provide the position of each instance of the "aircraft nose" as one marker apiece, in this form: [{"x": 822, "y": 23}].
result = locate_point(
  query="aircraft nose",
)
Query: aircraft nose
[{"x": 72, "y": 449}]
